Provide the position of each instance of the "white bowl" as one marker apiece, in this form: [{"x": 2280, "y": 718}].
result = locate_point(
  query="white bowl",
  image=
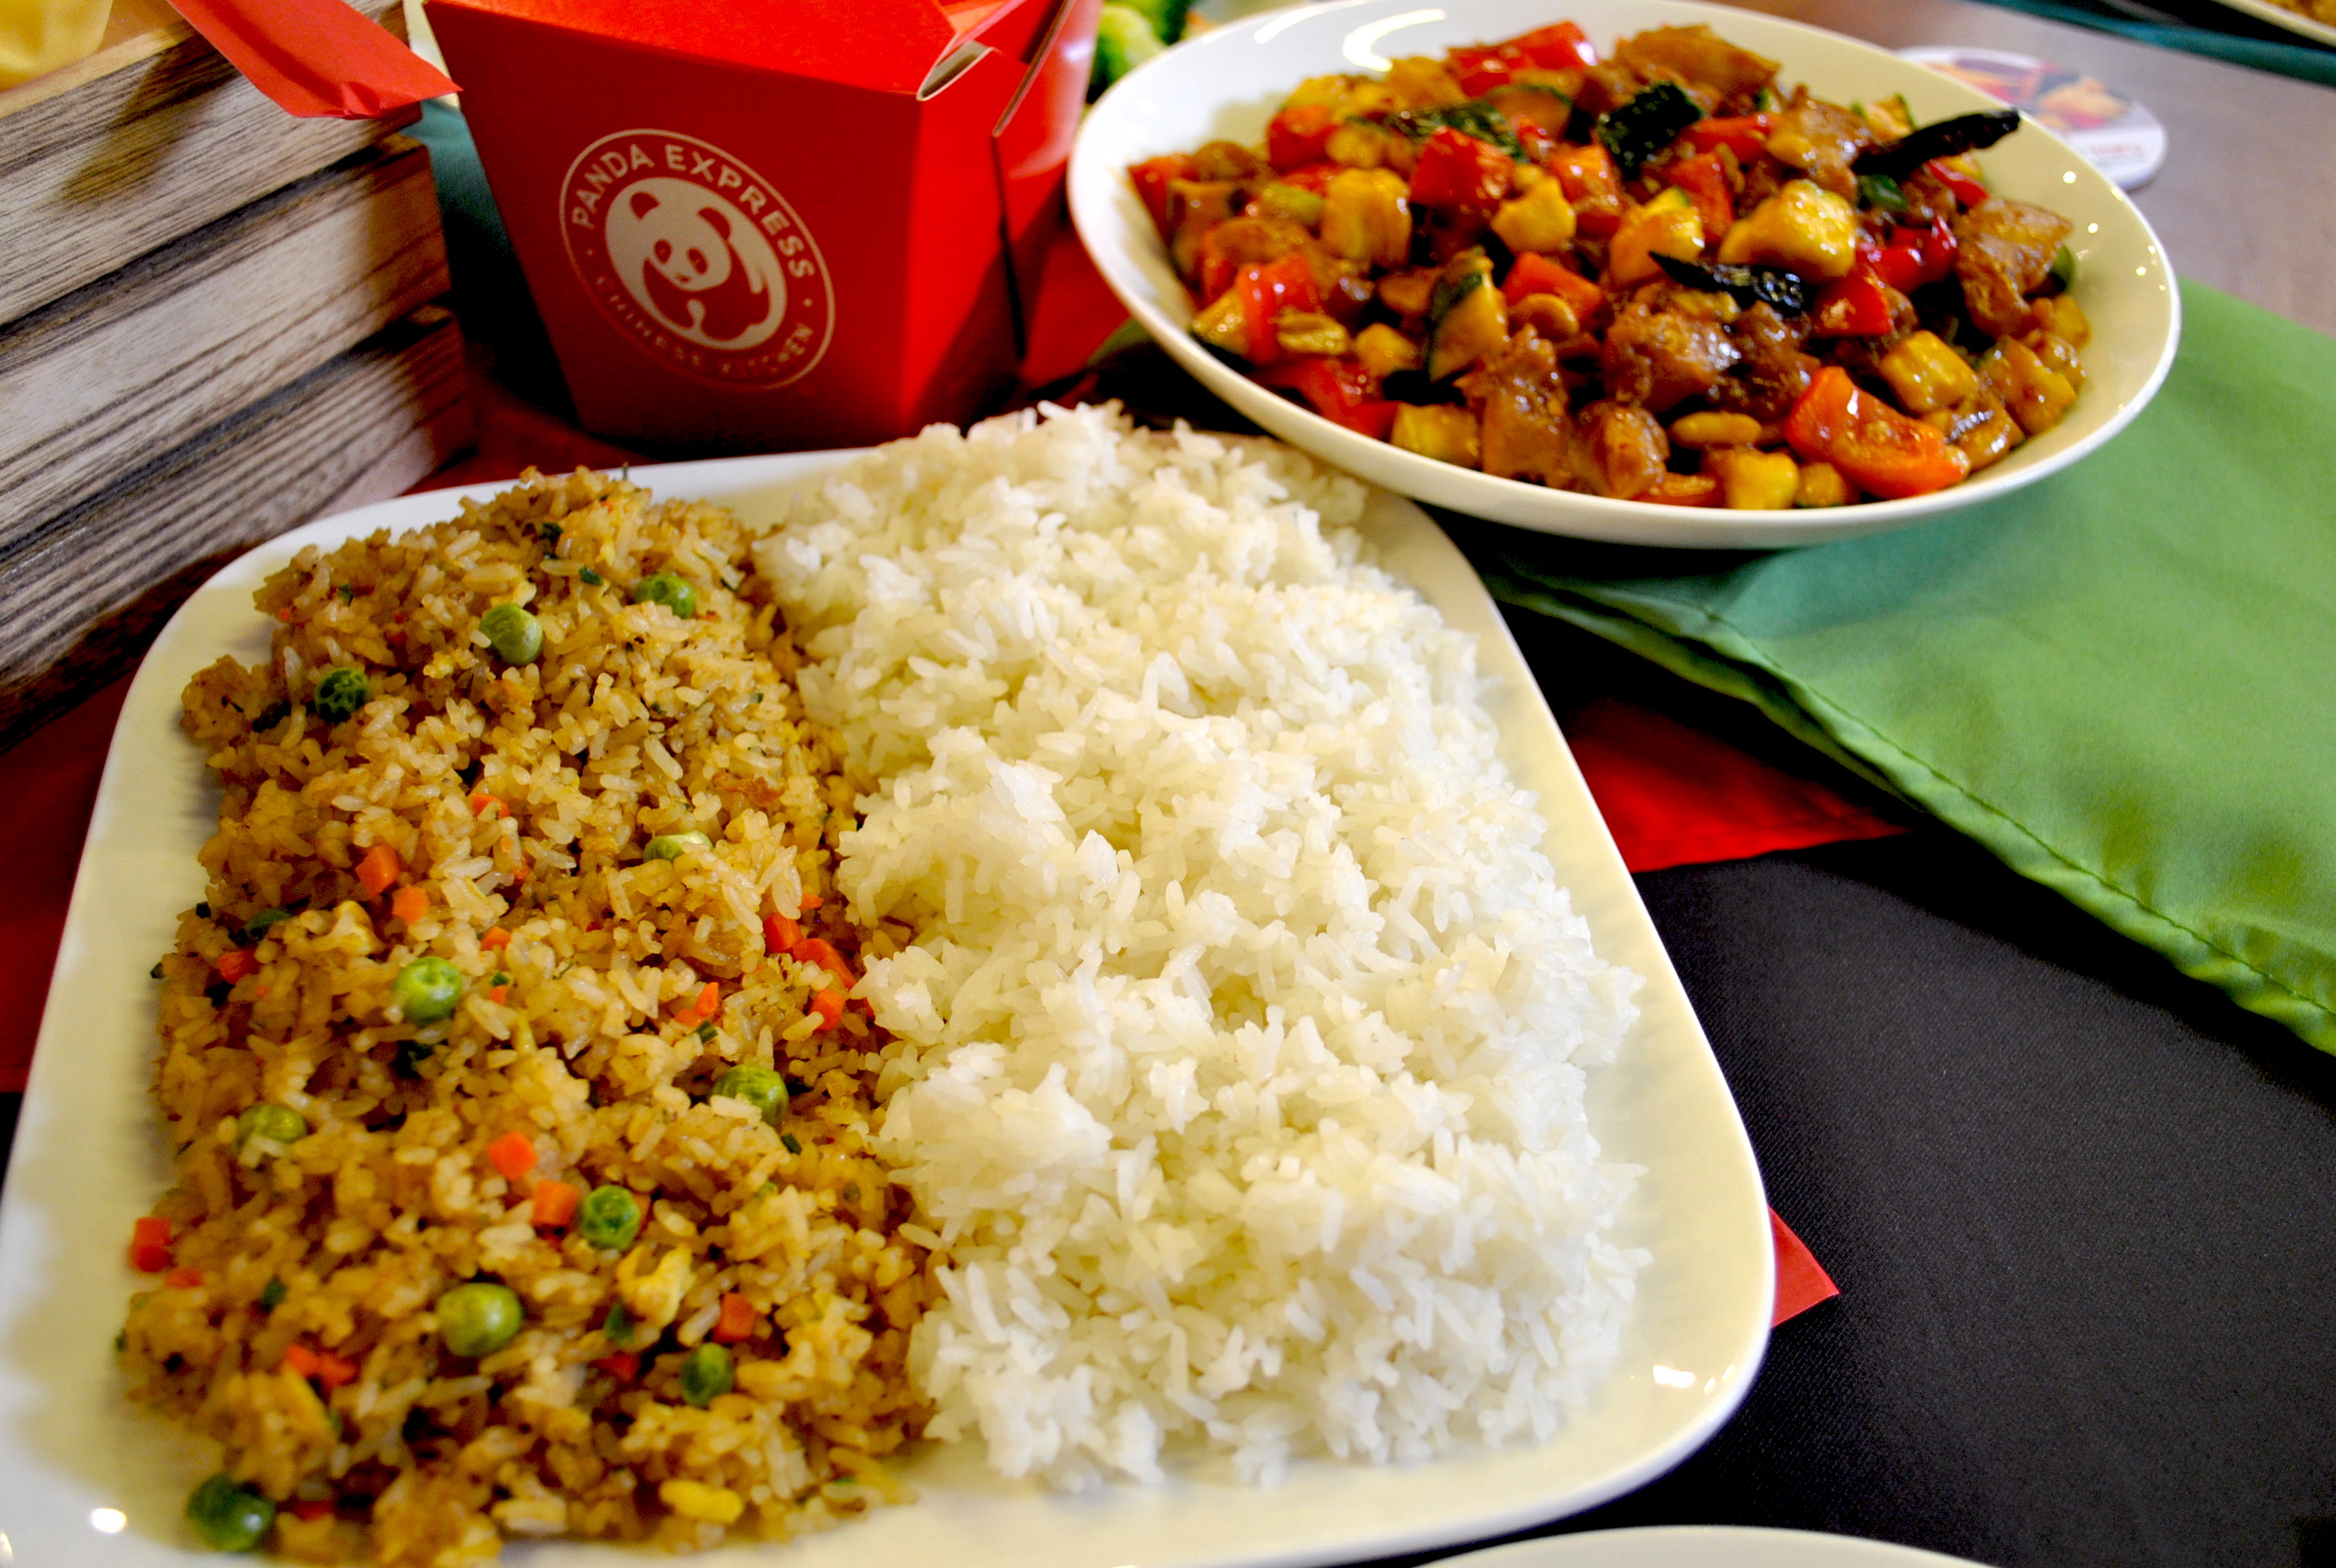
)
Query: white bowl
[{"x": 1228, "y": 82}]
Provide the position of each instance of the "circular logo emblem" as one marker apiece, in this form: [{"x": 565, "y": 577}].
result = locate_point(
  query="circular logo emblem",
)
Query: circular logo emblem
[{"x": 698, "y": 257}]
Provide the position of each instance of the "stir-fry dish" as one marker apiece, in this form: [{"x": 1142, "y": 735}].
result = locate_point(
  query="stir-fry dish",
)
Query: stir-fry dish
[{"x": 1657, "y": 276}]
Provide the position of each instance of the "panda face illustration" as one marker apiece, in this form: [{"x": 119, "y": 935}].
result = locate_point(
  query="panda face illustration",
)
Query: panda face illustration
[{"x": 692, "y": 259}]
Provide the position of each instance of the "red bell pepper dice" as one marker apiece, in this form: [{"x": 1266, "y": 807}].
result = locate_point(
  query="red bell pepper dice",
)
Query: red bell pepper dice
[
  {"x": 1479, "y": 70},
  {"x": 1702, "y": 179},
  {"x": 1560, "y": 46},
  {"x": 1537, "y": 274},
  {"x": 1297, "y": 137},
  {"x": 1458, "y": 173},
  {"x": 1151, "y": 178},
  {"x": 1876, "y": 448},
  {"x": 1747, "y": 134},
  {"x": 1265, "y": 293},
  {"x": 1856, "y": 306},
  {"x": 1916, "y": 256},
  {"x": 1339, "y": 390},
  {"x": 1968, "y": 191}
]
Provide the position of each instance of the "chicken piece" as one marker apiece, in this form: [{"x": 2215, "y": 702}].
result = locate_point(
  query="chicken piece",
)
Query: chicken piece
[
  {"x": 1658, "y": 360},
  {"x": 1621, "y": 451},
  {"x": 1527, "y": 430},
  {"x": 1822, "y": 140},
  {"x": 1771, "y": 372},
  {"x": 2004, "y": 252},
  {"x": 1709, "y": 66}
]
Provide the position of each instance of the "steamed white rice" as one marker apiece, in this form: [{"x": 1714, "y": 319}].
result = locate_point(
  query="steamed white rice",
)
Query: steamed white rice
[{"x": 1241, "y": 1022}]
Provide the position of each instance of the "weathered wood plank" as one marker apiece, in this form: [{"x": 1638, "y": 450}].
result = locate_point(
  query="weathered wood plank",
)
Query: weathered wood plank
[
  {"x": 125, "y": 369},
  {"x": 83, "y": 596},
  {"x": 148, "y": 140}
]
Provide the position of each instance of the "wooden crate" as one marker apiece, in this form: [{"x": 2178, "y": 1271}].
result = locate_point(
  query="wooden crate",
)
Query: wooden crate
[
  {"x": 146, "y": 141},
  {"x": 82, "y": 595},
  {"x": 126, "y": 368}
]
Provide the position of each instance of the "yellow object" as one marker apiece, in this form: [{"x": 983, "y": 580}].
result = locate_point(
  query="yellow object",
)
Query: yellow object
[
  {"x": 36, "y": 36},
  {"x": 1709, "y": 429},
  {"x": 1667, "y": 226},
  {"x": 1803, "y": 227},
  {"x": 1310, "y": 332},
  {"x": 1546, "y": 313},
  {"x": 1470, "y": 318},
  {"x": 695, "y": 1500},
  {"x": 1927, "y": 375},
  {"x": 1440, "y": 431},
  {"x": 1541, "y": 219},
  {"x": 2036, "y": 394},
  {"x": 1384, "y": 351},
  {"x": 1366, "y": 216},
  {"x": 1823, "y": 485},
  {"x": 1754, "y": 480}
]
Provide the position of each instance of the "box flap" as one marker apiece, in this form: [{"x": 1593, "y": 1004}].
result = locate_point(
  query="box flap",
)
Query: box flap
[{"x": 889, "y": 45}]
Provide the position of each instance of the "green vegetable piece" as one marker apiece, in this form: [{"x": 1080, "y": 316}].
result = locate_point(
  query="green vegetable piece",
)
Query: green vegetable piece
[
  {"x": 669, "y": 589},
  {"x": 590, "y": 577},
  {"x": 479, "y": 1318},
  {"x": 608, "y": 1218},
  {"x": 789, "y": 1140},
  {"x": 258, "y": 926},
  {"x": 1164, "y": 17},
  {"x": 764, "y": 1088},
  {"x": 1881, "y": 192},
  {"x": 278, "y": 1124},
  {"x": 673, "y": 846},
  {"x": 228, "y": 1517},
  {"x": 1124, "y": 41},
  {"x": 516, "y": 636},
  {"x": 340, "y": 692},
  {"x": 617, "y": 1327},
  {"x": 1475, "y": 117},
  {"x": 708, "y": 1375},
  {"x": 271, "y": 1295},
  {"x": 2064, "y": 268},
  {"x": 1648, "y": 123},
  {"x": 1291, "y": 202},
  {"x": 427, "y": 989}
]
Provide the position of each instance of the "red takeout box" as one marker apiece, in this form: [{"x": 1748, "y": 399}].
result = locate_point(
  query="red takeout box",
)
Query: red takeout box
[{"x": 775, "y": 224}]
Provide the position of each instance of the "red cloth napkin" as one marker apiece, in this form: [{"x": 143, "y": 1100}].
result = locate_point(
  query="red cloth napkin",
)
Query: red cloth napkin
[
  {"x": 316, "y": 57},
  {"x": 1801, "y": 1282}
]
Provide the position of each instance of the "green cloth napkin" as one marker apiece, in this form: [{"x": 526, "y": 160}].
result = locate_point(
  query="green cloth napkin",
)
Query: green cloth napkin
[{"x": 2121, "y": 679}]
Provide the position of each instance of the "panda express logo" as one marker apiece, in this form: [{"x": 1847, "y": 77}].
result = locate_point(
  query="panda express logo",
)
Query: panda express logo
[{"x": 699, "y": 257}]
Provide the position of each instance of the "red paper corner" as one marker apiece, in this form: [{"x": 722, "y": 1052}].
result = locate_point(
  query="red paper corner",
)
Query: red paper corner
[{"x": 1801, "y": 1282}]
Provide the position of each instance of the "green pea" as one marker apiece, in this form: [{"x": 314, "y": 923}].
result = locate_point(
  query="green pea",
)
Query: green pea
[
  {"x": 479, "y": 1318},
  {"x": 516, "y": 636},
  {"x": 669, "y": 589},
  {"x": 617, "y": 1327},
  {"x": 764, "y": 1088},
  {"x": 427, "y": 989},
  {"x": 228, "y": 1517},
  {"x": 673, "y": 846},
  {"x": 278, "y": 1124},
  {"x": 589, "y": 577},
  {"x": 708, "y": 1375},
  {"x": 609, "y": 1217},
  {"x": 340, "y": 692}
]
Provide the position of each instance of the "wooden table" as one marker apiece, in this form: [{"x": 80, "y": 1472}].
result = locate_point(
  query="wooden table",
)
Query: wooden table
[{"x": 2247, "y": 199}]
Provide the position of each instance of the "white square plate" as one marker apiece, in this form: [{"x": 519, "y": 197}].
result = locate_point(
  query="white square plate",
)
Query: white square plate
[{"x": 88, "y": 1479}]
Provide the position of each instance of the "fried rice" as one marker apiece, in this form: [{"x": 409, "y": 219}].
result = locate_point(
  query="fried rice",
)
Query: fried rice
[{"x": 602, "y": 993}]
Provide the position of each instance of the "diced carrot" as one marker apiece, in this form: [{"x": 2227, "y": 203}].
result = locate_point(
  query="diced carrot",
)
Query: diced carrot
[
  {"x": 812, "y": 901},
  {"x": 285, "y": 614},
  {"x": 150, "y": 1245},
  {"x": 709, "y": 1001},
  {"x": 234, "y": 965},
  {"x": 780, "y": 933},
  {"x": 496, "y": 994},
  {"x": 513, "y": 1154},
  {"x": 829, "y": 1006},
  {"x": 333, "y": 1370},
  {"x": 495, "y": 940},
  {"x": 308, "y": 1508},
  {"x": 481, "y": 799},
  {"x": 737, "y": 1319},
  {"x": 410, "y": 904},
  {"x": 623, "y": 1366},
  {"x": 378, "y": 869},
  {"x": 183, "y": 1279},
  {"x": 520, "y": 872},
  {"x": 819, "y": 950},
  {"x": 300, "y": 1359},
  {"x": 556, "y": 1204}
]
